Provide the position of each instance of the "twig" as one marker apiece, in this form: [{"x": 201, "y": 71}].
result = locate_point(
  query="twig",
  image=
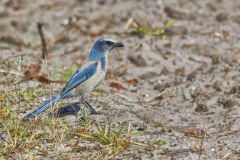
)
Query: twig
[
  {"x": 11, "y": 72},
  {"x": 43, "y": 40},
  {"x": 109, "y": 123},
  {"x": 201, "y": 145},
  {"x": 140, "y": 144}
]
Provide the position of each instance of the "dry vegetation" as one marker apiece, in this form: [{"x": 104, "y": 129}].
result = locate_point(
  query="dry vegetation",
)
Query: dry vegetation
[{"x": 172, "y": 93}]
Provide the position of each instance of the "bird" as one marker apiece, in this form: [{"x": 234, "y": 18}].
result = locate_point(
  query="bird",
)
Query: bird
[{"x": 86, "y": 78}]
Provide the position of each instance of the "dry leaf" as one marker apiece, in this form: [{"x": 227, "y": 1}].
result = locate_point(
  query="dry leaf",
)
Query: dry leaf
[
  {"x": 194, "y": 132},
  {"x": 45, "y": 79},
  {"x": 117, "y": 85},
  {"x": 132, "y": 81},
  {"x": 32, "y": 70},
  {"x": 32, "y": 73},
  {"x": 180, "y": 71},
  {"x": 221, "y": 146},
  {"x": 186, "y": 46}
]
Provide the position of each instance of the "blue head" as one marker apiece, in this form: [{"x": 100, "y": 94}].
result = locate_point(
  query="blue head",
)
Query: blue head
[{"x": 102, "y": 47}]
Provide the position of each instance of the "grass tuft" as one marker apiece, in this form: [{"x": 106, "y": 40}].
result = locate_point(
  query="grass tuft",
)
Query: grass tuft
[
  {"x": 113, "y": 140},
  {"x": 137, "y": 27}
]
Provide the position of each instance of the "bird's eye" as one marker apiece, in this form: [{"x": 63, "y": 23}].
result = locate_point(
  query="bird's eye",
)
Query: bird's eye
[{"x": 109, "y": 42}]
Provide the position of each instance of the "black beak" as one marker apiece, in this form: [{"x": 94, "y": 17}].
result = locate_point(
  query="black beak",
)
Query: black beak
[{"x": 119, "y": 44}]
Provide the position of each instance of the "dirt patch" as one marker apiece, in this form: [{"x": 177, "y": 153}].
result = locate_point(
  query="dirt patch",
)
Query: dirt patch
[{"x": 179, "y": 86}]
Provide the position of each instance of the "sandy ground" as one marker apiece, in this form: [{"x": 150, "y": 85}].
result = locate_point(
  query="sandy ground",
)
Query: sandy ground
[{"x": 187, "y": 85}]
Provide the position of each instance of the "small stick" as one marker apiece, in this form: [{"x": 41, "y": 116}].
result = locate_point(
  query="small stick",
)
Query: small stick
[
  {"x": 109, "y": 124},
  {"x": 43, "y": 40},
  {"x": 201, "y": 145},
  {"x": 11, "y": 72}
]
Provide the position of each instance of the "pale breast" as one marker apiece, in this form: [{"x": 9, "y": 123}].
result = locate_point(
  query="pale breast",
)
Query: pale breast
[{"x": 87, "y": 86}]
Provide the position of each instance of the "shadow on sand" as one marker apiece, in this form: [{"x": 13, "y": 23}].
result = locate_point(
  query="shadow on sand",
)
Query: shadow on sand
[{"x": 70, "y": 109}]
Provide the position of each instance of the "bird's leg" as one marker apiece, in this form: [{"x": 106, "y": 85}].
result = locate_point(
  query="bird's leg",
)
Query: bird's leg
[{"x": 93, "y": 111}]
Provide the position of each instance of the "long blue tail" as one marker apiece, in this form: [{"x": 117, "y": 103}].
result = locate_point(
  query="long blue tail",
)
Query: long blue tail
[{"x": 43, "y": 107}]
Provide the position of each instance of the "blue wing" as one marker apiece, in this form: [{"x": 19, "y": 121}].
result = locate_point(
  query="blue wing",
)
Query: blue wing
[
  {"x": 42, "y": 107},
  {"x": 80, "y": 76}
]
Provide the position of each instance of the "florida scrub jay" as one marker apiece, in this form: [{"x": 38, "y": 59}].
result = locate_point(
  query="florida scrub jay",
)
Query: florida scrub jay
[{"x": 86, "y": 78}]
